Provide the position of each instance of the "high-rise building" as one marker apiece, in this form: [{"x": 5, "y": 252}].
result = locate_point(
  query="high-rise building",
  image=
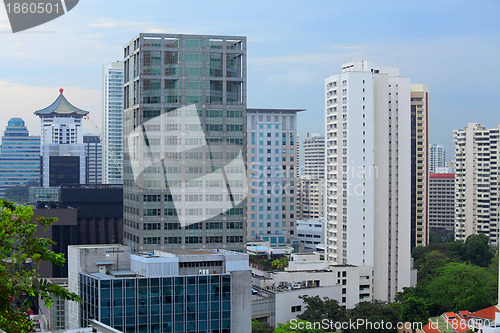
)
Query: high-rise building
[
  {"x": 437, "y": 157},
  {"x": 368, "y": 157},
  {"x": 184, "y": 142},
  {"x": 314, "y": 155},
  {"x": 19, "y": 156},
  {"x": 175, "y": 291},
  {"x": 87, "y": 214},
  {"x": 271, "y": 151},
  {"x": 477, "y": 196},
  {"x": 93, "y": 159},
  {"x": 442, "y": 202},
  {"x": 311, "y": 197},
  {"x": 62, "y": 152},
  {"x": 112, "y": 123},
  {"x": 419, "y": 165}
]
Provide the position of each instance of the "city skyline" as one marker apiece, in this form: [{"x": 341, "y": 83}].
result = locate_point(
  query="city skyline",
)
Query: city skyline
[{"x": 453, "y": 40}]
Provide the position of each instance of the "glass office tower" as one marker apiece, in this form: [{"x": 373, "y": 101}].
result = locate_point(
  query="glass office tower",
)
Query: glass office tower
[
  {"x": 19, "y": 156},
  {"x": 184, "y": 120}
]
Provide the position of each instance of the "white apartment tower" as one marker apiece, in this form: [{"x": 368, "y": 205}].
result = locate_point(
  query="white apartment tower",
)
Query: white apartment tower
[
  {"x": 314, "y": 155},
  {"x": 477, "y": 196},
  {"x": 437, "y": 157},
  {"x": 367, "y": 204},
  {"x": 112, "y": 123}
]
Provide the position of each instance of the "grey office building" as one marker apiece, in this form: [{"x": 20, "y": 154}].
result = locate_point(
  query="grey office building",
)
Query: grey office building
[{"x": 184, "y": 142}]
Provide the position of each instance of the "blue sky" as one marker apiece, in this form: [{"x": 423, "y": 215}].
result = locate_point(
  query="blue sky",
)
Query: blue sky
[{"x": 452, "y": 46}]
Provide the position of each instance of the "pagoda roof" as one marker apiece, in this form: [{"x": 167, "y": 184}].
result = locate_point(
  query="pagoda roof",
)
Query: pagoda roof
[{"x": 61, "y": 106}]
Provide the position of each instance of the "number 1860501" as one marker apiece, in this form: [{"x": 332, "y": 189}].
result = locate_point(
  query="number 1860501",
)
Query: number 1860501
[{"x": 32, "y": 8}]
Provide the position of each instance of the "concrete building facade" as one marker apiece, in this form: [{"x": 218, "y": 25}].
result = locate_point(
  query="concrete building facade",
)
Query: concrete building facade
[
  {"x": 442, "y": 201},
  {"x": 419, "y": 165},
  {"x": 112, "y": 123},
  {"x": 368, "y": 155},
  {"x": 311, "y": 232},
  {"x": 477, "y": 197},
  {"x": 311, "y": 197},
  {"x": 271, "y": 152},
  {"x": 178, "y": 291},
  {"x": 437, "y": 157},
  {"x": 19, "y": 156},
  {"x": 93, "y": 159},
  {"x": 184, "y": 147},
  {"x": 314, "y": 155}
]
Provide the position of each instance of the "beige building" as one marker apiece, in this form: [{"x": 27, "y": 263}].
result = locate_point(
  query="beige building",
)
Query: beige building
[
  {"x": 311, "y": 197},
  {"x": 477, "y": 158},
  {"x": 419, "y": 165}
]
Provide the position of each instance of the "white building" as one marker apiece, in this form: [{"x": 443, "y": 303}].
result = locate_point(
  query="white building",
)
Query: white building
[
  {"x": 477, "y": 159},
  {"x": 112, "y": 123},
  {"x": 276, "y": 295},
  {"x": 367, "y": 204},
  {"x": 311, "y": 233},
  {"x": 314, "y": 155},
  {"x": 62, "y": 150},
  {"x": 437, "y": 157}
]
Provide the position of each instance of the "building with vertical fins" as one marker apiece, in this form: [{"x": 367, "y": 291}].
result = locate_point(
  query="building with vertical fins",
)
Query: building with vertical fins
[
  {"x": 419, "y": 165},
  {"x": 314, "y": 155},
  {"x": 184, "y": 142},
  {"x": 62, "y": 151},
  {"x": 477, "y": 197},
  {"x": 437, "y": 157},
  {"x": 368, "y": 155},
  {"x": 272, "y": 207},
  {"x": 93, "y": 159},
  {"x": 19, "y": 156},
  {"x": 112, "y": 123}
]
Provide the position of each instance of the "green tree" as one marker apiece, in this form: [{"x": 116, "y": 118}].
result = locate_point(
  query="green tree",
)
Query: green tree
[
  {"x": 434, "y": 237},
  {"x": 415, "y": 309},
  {"x": 280, "y": 263},
  {"x": 477, "y": 251},
  {"x": 20, "y": 255},
  {"x": 299, "y": 325},
  {"x": 459, "y": 286},
  {"x": 375, "y": 312},
  {"x": 318, "y": 309},
  {"x": 450, "y": 237},
  {"x": 261, "y": 327}
]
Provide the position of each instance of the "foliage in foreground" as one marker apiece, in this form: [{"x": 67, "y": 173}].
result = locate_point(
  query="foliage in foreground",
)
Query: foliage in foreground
[{"x": 20, "y": 255}]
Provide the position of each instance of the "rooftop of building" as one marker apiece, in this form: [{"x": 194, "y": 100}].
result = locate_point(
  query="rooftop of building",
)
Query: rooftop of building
[
  {"x": 259, "y": 110},
  {"x": 61, "y": 106},
  {"x": 101, "y": 246},
  {"x": 442, "y": 176}
]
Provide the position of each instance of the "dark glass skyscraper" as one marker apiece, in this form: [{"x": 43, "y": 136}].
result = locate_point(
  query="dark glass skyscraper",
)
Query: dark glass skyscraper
[{"x": 184, "y": 142}]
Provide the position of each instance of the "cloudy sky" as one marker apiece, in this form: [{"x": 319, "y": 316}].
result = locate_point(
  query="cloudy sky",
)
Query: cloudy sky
[{"x": 451, "y": 45}]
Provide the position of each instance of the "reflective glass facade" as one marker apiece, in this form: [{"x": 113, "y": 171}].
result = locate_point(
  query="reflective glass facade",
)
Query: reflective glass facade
[
  {"x": 113, "y": 123},
  {"x": 200, "y": 303},
  {"x": 19, "y": 156},
  {"x": 168, "y": 76}
]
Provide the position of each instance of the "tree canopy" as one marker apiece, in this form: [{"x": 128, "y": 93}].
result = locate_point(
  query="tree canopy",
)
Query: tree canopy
[{"x": 20, "y": 255}]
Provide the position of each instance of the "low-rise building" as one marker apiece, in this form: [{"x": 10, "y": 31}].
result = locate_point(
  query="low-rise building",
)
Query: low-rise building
[
  {"x": 276, "y": 295},
  {"x": 311, "y": 232},
  {"x": 175, "y": 291}
]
